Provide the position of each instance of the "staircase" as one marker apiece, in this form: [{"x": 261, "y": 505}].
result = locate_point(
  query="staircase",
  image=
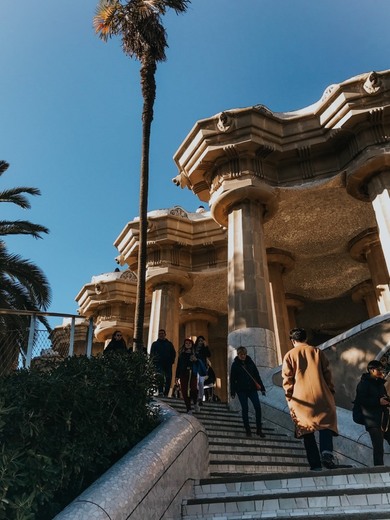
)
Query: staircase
[{"x": 255, "y": 478}]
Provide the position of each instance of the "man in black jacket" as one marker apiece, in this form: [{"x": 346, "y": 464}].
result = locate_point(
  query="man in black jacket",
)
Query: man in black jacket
[
  {"x": 372, "y": 398},
  {"x": 164, "y": 354}
]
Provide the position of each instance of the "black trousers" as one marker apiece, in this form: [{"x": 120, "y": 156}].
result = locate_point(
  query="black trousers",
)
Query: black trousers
[
  {"x": 377, "y": 437},
  {"x": 312, "y": 452}
]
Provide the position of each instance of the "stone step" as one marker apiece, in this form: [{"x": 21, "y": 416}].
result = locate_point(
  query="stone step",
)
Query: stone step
[
  {"x": 255, "y": 449},
  {"x": 269, "y": 457},
  {"x": 346, "y": 493},
  {"x": 267, "y": 445},
  {"x": 220, "y": 469}
]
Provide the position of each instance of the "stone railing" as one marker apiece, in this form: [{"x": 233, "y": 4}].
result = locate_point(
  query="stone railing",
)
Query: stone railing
[{"x": 151, "y": 481}]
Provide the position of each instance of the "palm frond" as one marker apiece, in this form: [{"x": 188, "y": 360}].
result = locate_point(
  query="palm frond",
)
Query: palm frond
[
  {"x": 16, "y": 196},
  {"x": 107, "y": 20},
  {"x": 21, "y": 227},
  {"x": 27, "y": 279},
  {"x": 3, "y": 167}
]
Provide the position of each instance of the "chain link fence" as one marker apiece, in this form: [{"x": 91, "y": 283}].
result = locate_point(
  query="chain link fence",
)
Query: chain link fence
[{"x": 26, "y": 342}]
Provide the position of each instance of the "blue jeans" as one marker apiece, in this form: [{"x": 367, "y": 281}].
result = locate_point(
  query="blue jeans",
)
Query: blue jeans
[{"x": 254, "y": 397}]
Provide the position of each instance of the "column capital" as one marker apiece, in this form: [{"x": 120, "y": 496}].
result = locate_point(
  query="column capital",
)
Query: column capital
[
  {"x": 232, "y": 192},
  {"x": 167, "y": 275},
  {"x": 198, "y": 315},
  {"x": 360, "y": 245},
  {"x": 362, "y": 290},
  {"x": 294, "y": 301},
  {"x": 282, "y": 258},
  {"x": 375, "y": 162}
]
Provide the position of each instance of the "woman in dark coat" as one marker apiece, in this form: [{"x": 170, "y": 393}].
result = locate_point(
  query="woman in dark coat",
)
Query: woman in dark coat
[
  {"x": 117, "y": 343},
  {"x": 188, "y": 367},
  {"x": 245, "y": 381},
  {"x": 202, "y": 352},
  {"x": 372, "y": 398}
]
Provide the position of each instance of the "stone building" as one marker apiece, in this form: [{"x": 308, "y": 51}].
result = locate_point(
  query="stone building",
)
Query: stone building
[{"x": 297, "y": 232}]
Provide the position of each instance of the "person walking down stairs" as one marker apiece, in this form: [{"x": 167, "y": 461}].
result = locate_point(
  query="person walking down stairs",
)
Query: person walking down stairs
[
  {"x": 188, "y": 368},
  {"x": 245, "y": 381}
]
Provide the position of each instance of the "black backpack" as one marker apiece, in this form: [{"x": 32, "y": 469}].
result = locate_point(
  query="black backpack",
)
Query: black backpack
[{"x": 357, "y": 414}]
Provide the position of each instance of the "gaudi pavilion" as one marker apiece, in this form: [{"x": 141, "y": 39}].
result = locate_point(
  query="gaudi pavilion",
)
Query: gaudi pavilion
[{"x": 297, "y": 232}]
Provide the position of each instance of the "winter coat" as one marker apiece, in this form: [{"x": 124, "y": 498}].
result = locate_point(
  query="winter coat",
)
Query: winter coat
[
  {"x": 203, "y": 353},
  {"x": 184, "y": 365},
  {"x": 163, "y": 353},
  {"x": 116, "y": 345},
  {"x": 240, "y": 380},
  {"x": 309, "y": 390},
  {"x": 368, "y": 393}
]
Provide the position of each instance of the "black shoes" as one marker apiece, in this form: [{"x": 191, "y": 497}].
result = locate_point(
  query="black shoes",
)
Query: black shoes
[
  {"x": 327, "y": 460},
  {"x": 260, "y": 433},
  {"x": 248, "y": 433}
]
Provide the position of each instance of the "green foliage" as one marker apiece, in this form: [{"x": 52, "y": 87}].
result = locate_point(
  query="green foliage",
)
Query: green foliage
[{"x": 62, "y": 428}]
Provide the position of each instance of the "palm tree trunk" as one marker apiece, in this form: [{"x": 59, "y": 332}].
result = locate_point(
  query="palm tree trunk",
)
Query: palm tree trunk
[{"x": 148, "y": 85}]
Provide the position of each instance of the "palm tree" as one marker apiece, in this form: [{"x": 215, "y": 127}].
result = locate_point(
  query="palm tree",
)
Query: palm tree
[
  {"x": 138, "y": 22},
  {"x": 23, "y": 286}
]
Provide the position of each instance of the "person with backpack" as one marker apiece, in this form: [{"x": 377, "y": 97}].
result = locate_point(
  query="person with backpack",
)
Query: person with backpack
[{"x": 372, "y": 403}]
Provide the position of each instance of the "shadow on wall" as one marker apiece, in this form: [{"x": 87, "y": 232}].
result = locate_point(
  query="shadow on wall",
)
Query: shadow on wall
[{"x": 349, "y": 353}]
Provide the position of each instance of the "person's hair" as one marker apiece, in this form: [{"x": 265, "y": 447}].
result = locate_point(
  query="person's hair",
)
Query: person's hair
[
  {"x": 115, "y": 333},
  {"x": 161, "y": 330},
  {"x": 242, "y": 350},
  {"x": 374, "y": 364},
  {"x": 299, "y": 335},
  {"x": 184, "y": 344},
  {"x": 197, "y": 340}
]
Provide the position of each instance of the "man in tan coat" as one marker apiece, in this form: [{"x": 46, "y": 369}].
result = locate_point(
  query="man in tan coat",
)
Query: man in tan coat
[{"x": 309, "y": 390}]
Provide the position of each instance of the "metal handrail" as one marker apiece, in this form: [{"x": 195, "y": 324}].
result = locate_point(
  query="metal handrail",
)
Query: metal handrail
[{"x": 35, "y": 314}]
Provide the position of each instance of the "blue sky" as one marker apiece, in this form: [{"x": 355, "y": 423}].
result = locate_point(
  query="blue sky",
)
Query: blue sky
[{"x": 70, "y": 107}]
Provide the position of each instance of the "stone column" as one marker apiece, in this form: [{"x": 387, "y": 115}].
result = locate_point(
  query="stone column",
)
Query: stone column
[
  {"x": 279, "y": 262},
  {"x": 378, "y": 190},
  {"x": 366, "y": 247},
  {"x": 293, "y": 303},
  {"x": 365, "y": 291},
  {"x": 196, "y": 323},
  {"x": 165, "y": 313},
  {"x": 249, "y": 300},
  {"x": 243, "y": 205}
]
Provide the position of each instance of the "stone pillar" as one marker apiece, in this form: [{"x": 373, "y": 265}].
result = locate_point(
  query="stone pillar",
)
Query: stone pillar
[
  {"x": 378, "y": 190},
  {"x": 165, "y": 313},
  {"x": 293, "y": 303},
  {"x": 365, "y": 291},
  {"x": 366, "y": 247},
  {"x": 279, "y": 262},
  {"x": 250, "y": 319}
]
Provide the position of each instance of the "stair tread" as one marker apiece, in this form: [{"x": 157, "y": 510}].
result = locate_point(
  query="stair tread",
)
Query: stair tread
[{"x": 246, "y": 472}]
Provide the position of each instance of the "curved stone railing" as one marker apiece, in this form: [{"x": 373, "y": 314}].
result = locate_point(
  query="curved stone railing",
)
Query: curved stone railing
[{"x": 151, "y": 480}]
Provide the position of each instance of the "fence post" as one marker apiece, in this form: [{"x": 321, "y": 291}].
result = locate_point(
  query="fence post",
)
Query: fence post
[
  {"x": 30, "y": 344},
  {"x": 71, "y": 339},
  {"x": 89, "y": 341}
]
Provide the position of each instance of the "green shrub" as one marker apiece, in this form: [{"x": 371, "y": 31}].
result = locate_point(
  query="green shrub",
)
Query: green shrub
[{"x": 62, "y": 428}]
